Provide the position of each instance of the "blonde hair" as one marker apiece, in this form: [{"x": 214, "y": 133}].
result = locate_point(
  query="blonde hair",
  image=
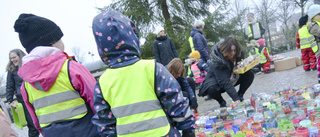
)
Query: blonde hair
[
  {"x": 10, "y": 66},
  {"x": 176, "y": 67}
]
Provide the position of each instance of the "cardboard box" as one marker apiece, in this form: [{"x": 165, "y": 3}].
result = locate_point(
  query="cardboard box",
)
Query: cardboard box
[
  {"x": 298, "y": 61},
  {"x": 284, "y": 64}
]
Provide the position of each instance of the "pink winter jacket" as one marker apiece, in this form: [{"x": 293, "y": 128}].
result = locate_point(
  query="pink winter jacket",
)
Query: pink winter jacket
[{"x": 43, "y": 64}]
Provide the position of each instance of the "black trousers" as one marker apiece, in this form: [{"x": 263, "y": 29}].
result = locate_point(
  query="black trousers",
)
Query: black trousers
[{"x": 245, "y": 80}]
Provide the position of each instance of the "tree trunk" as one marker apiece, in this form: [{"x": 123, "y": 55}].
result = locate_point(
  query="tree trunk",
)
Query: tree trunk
[{"x": 166, "y": 15}]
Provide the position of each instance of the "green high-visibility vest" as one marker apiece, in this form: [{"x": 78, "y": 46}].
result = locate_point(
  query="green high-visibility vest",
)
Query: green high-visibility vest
[
  {"x": 250, "y": 31},
  {"x": 263, "y": 57},
  {"x": 60, "y": 103},
  {"x": 256, "y": 51},
  {"x": 191, "y": 44},
  {"x": 312, "y": 40},
  {"x": 130, "y": 92},
  {"x": 305, "y": 37}
]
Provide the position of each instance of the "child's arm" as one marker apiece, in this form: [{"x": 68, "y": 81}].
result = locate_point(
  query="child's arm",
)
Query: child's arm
[
  {"x": 83, "y": 81},
  {"x": 314, "y": 28},
  {"x": 202, "y": 65},
  {"x": 186, "y": 87},
  {"x": 266, "y": 54},
  {"x": 172, "y": 101},
  {"x": 298, "y": 41},
  {"x": 104, "y": 118},
  {"x": 30, "y": 108}
]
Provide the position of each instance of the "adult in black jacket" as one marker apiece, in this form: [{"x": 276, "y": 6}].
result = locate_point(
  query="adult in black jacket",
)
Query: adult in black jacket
[
  {"x": 163, "y": 48},
  {"x": 14, "y": 83},
  {"x": 224, "y": 57}
]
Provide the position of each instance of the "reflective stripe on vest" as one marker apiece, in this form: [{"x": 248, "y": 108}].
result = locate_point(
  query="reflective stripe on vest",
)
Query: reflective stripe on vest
[
  {"x": 191, "y": 44},
  {"x": 305, "y": 37},
  {"x": 136, "y": 107},
  {"x": 61, "y": 102},
  {"x": 256, "y": 28},
  {"x": 195, "y": 70},
  {"x": 263, "y": 57}
]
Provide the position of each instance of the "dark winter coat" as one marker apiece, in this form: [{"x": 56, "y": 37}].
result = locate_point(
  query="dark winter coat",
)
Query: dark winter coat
[
  {"x": 14, "y": 83},
  {"x": 164, "y": 50},
  {"x": 219, "y": 74},
  {"x": 125, "y": 54},
  {"x": 200, "y": 43},
  {"x": 186, "y": 87}
]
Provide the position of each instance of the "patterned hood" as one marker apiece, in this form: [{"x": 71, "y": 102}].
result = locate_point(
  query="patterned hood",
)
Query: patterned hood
[{"x": 117, "y": 39}]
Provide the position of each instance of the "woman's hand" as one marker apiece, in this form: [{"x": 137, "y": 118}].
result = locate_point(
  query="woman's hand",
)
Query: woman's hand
[
  {"x": 12, "y": 104},
  {"x": 238, "y": 101}
]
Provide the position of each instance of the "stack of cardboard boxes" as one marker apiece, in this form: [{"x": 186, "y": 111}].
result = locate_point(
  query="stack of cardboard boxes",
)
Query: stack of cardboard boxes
[{"x": 287, "y": 63}]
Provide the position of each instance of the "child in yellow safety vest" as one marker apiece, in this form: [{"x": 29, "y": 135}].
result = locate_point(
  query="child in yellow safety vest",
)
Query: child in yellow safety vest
[
  {"x": 135, "y": 97},
  {"x": 302, "y": 38},
  {"x": 264, "y": 53},
  {"x": 314, "y": 29},
  {"x": 198, "y": 67}
]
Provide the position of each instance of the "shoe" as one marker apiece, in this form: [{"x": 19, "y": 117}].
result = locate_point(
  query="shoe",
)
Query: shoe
[
  {"x": 258, "y": 73},
  {"x": 240, "y": 97},
  {"x": 307, "y": 70},
  {"x": 314, "y": 69},
  {"x": 267, "y": 72},
  {"x": 223, "y": 104}
]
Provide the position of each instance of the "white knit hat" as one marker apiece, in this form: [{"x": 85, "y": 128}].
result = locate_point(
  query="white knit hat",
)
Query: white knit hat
[
  {"x": 158, "y": 29},
  {"x": 313, "y": 11}
]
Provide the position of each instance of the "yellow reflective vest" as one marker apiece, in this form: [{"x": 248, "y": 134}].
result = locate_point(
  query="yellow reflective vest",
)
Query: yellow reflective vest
[
  {"x": 305, "y": 37},
  {"x": 254, "y": 26},
  {"x": 263, "y": 57},
  {"x": 191, "y": 44},
  {"x": 312, "y": 40},
  {"x": 256, "y": 51},
  {"x": 61, "y": 102},
  {"x": 134, "y": 104}
]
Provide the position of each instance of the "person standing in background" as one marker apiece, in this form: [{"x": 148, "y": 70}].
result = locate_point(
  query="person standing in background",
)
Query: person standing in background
[
  {"x": 14, "y": 83},
  {"x": 163, "y": 48},
  {"x": 253, "y": 28},
  {"x": 199, "y": 41},
  {"x": 308, "y": 57}
]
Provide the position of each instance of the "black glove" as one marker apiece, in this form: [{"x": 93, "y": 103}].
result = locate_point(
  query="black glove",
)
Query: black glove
[{"x": 193, "y": 103}]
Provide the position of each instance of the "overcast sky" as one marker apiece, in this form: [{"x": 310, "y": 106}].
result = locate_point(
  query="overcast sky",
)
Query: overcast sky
[{"x": 74, "y": 17}]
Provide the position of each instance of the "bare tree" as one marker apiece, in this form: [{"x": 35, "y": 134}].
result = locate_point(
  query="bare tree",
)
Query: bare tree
[
  {"x": 267, "y": 11},
  {"x": 300, "y": 3},
  {"x": 286, "y": 10},
  {"x": 78, "y": 54},
  {"x": 239, "y": 10}
]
